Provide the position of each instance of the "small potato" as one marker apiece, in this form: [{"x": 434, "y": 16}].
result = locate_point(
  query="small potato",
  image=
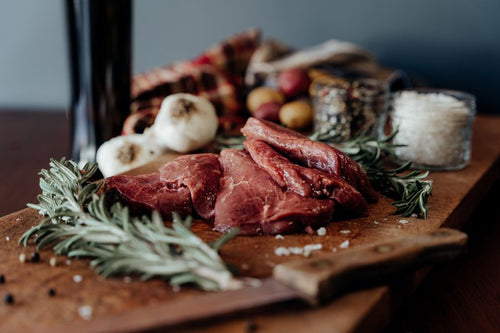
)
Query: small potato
[
  {"x": 294, "y": 82},
  {"x": 262, "y": 95},
  {"x": 268, "y": 111},
  {"x": 296, "y": 115}
]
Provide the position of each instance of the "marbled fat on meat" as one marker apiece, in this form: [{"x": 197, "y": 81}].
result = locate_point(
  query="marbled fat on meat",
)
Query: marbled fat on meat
[
  {"x": 251, "y": 200},
  {"x": 310, "y": 153},
  {"x": 200, "y": 173}
]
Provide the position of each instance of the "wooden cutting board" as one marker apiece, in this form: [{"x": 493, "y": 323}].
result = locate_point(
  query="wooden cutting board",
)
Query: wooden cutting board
[{"x": 454, "y": 198}]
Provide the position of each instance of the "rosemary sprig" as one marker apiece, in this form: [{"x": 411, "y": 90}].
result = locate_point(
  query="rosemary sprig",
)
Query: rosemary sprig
[
  {"x": 78, "y": 223},
  {"x": 410, "y": 189},
  {"x": 225, "y": 142}
]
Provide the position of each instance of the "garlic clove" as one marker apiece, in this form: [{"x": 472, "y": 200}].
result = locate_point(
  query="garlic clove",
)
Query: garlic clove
[
  {"x": 126, "y": 152},
  {"x": 185, "y": 123}
]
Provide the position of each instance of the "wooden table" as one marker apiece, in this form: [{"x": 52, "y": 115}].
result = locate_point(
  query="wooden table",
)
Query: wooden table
[{"x": 461, "y": 296}]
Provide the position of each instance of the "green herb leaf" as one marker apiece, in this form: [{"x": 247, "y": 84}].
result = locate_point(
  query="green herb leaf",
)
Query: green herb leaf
[
  {"x": 78, "y": 223},
  {"x": 410, "y": 189}
]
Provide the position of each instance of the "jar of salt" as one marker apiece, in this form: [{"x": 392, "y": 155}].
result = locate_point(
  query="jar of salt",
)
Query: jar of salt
[{"x": 436, "y": 127}]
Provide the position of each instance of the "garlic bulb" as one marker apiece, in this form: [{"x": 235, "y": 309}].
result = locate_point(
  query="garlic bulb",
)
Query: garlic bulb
[
  {"x": 185, "y": 123},
  {"x": 126, "y": 152}
]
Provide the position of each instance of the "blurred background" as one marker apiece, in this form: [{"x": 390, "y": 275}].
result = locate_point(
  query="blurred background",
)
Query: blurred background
[{"x": 446, "y": 43}]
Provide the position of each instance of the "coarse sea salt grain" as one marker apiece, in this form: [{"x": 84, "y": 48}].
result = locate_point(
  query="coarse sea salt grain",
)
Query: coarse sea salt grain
[
  {"x": 278, "y": 236},
  {"x": 321, "y": 231},
  {"x": 403, "y": 221},
  {"x": 345, "y": 231},
  {"x": 77, "y": 278},
  {"x": 7, "y": 238},
  {"x": 414, "y": 215},
  {"x": 85, "y": 312},
  {"x": 313, "y": 247},
  {"x": 306, "y": 250},
  {"x": 53, "y": 262},
  {"x": 296, "y": 250},
  {"x": 281, "y": 251},
  {"x": 22, "y": 258},
  {"x": 344, "y": 244}
]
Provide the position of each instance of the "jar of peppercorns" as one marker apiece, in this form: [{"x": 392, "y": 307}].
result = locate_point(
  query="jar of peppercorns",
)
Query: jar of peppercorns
[{"x": 345, "y": 109}]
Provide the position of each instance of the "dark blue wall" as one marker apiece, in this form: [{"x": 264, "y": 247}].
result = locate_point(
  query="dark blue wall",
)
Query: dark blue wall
[{"x": 449, "y": 43}]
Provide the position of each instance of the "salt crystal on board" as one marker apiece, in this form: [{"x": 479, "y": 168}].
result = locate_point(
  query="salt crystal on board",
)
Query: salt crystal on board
[
  {"x": 344, "y": 244},
  {"x": 85, "y": 312}
]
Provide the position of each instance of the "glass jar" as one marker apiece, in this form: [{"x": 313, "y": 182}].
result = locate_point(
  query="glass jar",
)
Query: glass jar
[
  {"x": 435, "y": 126},
  {"x": 345, "y": 109}
]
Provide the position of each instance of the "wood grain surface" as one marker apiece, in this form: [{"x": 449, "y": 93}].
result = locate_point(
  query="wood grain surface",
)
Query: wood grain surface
[{"x": 455, "y": 196}]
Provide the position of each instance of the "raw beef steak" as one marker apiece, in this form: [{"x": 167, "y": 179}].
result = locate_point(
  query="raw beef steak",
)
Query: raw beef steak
[
  {"x": 250, "y": 199},
  {"x": 200, "y": 173},
  {"x": 306, "y": 181},
  {"x": 145, "y": 193},
  {"x": 310, "y": 153}
]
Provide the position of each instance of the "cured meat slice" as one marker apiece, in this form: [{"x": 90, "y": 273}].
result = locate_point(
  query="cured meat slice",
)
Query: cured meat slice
[
  {"x": 200, "y": 173},
  {"x": 145, "y": 193},
  {"x": 310, "y": 153},
  {"x": 305, "y": 181},
  {"x": 250, "y": 199}
]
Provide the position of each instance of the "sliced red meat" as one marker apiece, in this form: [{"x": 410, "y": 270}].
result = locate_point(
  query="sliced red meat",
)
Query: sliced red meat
[
  {"x": 310, "y": 153},
  {"x": 200, "y": 173},
  {"x": 145, "y": 193},
  {"x": 307, "y": 182},
  {"x": 250, "y": 199}
]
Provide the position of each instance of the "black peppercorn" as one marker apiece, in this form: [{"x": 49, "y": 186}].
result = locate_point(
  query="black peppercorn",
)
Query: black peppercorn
[
  {"x": 35, "y": 257},
  {"x": 251, "y": 326},
  {"x": 2, "y": 279},
  {"x": 51, "y": 292},
  {"x": 8, "y": 299}
]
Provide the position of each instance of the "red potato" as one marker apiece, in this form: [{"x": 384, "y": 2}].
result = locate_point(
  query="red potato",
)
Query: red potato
[
  {"x": 268, "y": 111},
  {"x": 294, "y": 82}
]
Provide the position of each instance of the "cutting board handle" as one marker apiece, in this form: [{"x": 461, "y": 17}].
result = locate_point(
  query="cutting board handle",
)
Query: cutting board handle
[{"x": 319, "y": 279}]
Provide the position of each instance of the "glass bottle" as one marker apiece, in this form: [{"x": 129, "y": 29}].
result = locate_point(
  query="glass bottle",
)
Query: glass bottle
[{"x": 99, "y": 34}]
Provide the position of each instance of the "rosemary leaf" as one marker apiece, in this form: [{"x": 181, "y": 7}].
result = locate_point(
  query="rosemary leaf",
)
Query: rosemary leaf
[
  {"x": 225, "y": 142},
  {"x": 410, "y": 189},
  {"x": 79, "y": 223}
]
